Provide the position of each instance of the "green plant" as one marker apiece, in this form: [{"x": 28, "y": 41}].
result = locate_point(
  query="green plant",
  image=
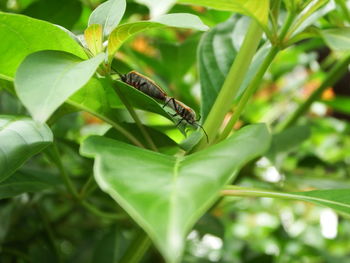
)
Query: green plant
[{"x": 164, "y": 185}]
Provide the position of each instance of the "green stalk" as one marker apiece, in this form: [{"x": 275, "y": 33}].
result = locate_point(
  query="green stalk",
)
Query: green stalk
[
  {"x": 249, "y": 92},
  {"x": 137, "y": 249},
  {"x": 54, "y": 155},
  {"x": 115, "y": 125},
  {"x": 232, "y": 83},
  {"x": 136, "y": 119},
  {"x": 334, "y": 75}
]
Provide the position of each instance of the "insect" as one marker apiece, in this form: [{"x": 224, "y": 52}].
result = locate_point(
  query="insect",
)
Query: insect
[
  {"x": 150, "y": 88},
  {"x": 144, "y": 84},
  {"x": 186, "y": 113}
]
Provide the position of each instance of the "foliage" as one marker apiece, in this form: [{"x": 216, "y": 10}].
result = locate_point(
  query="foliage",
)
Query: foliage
[{"x": 95, "y": 170}]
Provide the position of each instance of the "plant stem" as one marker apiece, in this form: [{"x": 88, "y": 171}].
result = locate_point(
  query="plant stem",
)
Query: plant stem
[
  {"x": 137, "y": 249},
  {"x": 87, "y": 187},
  {"x": 49, "y": 233},
  {"x": 334, "y": 74},
  {"x": 232, "y": 83},
  {"x": 55, "y": 157},
  {"x": 136, "y": 119},
  {"x": 249, "y": 92},
  {"x": 115, "y": 125}
]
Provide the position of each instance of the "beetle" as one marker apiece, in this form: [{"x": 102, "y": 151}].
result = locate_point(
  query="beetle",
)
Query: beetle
[
  {"x": 186, "y": 113},
  {"x": 144, "y": 84}
]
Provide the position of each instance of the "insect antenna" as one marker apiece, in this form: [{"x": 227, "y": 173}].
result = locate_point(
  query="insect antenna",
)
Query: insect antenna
[{"x": 206, "y": 135}]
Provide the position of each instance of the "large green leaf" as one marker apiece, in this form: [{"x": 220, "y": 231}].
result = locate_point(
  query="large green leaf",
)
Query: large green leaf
[
  {"x": 20, "y": 138},
  {"x": 337, "y": 39},
  {"x": 21, "y": 35},
  {"x": 338, "y": 199},
  {"x": 108, "y": 14},
  {"x": 123, "y": 32},
  {"x": 166, "y": 195},
  {"x": 258, "y": 9},
  {"x": 27, "y": 181},
  {"x": 46, "y": 79},
  {"x": 217, "y": 51}
]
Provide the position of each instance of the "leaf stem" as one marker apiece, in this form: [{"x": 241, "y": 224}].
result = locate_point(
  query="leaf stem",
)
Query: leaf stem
[
  {"x": 249, "y": 92},
  {"x": 115, "y": 125},
  {"x": 232, "y": 82},
  {"x": 137, "y": 249},
  {"x": 334, "y": 74},
  {"x": 136, "y": 119},
  {"x": 55, "y": 157}
]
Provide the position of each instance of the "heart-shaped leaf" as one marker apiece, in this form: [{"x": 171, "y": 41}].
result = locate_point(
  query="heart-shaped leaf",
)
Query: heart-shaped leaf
[
  {"x": 46, "y": 79},
  {"x": 123, "y": 32},
  {"x": 21, "y": 35},
  {"x": 108, "y": 14},
  {"x": 20, "y": 138},
  {"x": 258, "y": 9},
  {"x": 166, "y": 195}
]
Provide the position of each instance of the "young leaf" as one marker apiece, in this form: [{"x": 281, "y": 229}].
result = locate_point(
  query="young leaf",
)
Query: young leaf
[
  {"x": 21, "y": 35},
  {"x": 20, "y": 139},
  {"x": 166, "y": 195},
  {"x": 123, "y": 32},
  {"x": 108, "y": 14},
  {"x": 93, "y": 37},
  {"x": 258, "y": 9},
  {"x": 46, "y": 79},
  {"x": 337, "y": 39}
]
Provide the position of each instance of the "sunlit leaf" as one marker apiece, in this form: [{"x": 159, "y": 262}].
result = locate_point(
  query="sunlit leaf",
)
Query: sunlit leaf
[
  {"x": 20, "y": 139},
  {"x": 108, "y": 14},
  {"x": 48, "y": 78},
  {"x": 166, "y": 195},
  {"x": 93, "y": 37},
  {"x": 21, "y": 35}
]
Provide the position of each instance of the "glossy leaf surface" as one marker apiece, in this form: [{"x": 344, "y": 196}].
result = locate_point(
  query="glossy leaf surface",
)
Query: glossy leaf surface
[
  {"x": 123, "y": 32},
  {"x": 20, "y": 139},
  {"x": 94, "y": 37},
  {"x": 166, "y": 195},
  {"x": 23, "y": 35},
  {"x": 48, "y": 78},
  {"x": 108, "y": 14}
]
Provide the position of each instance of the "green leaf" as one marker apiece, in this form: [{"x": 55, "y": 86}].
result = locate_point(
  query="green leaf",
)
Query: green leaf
[
  {"x": 27, "y": 181},
  {"x": 94, "y": 38},
  {"x": 337, "y": 39},
  {"x": 108, "y": 14},
  {"x": 338, "y": 199},
  {"x": 166, "y": 195},
  {"x": 257, "y": 9},
  {"x": 217, "y": 50},
  {"x": 46, "y": 79},
  {"x": 62, "y": 12},
  {"x": 20, "y": 139},
  {"x": 23, "y": 35},
  {"x": 123, "y": 32}
]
